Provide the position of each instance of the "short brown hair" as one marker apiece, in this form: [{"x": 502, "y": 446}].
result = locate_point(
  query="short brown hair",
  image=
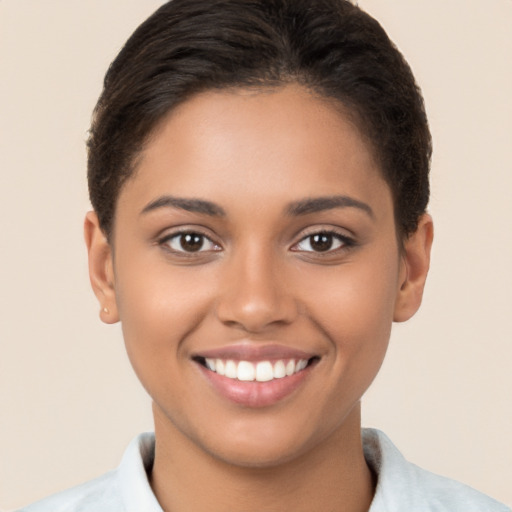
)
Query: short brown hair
[{"x": 330, "y": 46}]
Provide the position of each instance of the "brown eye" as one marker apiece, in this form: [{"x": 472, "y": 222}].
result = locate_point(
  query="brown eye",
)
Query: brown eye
[
  {"x": 323, "y": 242},
  {"x": 190, "y": 243}
]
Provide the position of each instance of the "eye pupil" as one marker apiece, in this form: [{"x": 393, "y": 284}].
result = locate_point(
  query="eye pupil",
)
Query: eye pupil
[
  {"x": 191, "y": 242},
  {"x": 321, "y": 242}
]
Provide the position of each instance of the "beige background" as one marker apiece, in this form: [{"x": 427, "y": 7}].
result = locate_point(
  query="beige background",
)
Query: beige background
[{"x": 68, "y": 399}]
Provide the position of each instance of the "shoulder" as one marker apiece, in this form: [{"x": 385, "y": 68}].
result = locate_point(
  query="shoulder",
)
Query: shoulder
[
  {"x": 403, "y": 486},
  {"x": 125, "y": 489},
  {"x": 445, "y": 494},
  {"x": 101, "y": 492}
]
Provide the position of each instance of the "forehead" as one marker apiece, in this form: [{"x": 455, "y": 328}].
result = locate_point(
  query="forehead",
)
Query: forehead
[{"x": 262, "y": 143}]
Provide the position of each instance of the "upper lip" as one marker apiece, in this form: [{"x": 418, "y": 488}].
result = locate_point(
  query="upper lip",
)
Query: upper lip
[{"x": 254, "y": 352}]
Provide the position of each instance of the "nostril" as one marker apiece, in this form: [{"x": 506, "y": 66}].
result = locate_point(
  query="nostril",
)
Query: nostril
[
  {"x": 253, "y": 316},
  {"x": 255, "y": 297}
]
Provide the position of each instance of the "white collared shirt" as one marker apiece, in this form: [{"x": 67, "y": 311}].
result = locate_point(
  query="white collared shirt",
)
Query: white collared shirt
[{"x": 401, "y": 486}]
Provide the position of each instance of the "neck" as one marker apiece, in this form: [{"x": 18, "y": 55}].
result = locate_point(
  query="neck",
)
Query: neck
[{"x": 331, "y": 477}]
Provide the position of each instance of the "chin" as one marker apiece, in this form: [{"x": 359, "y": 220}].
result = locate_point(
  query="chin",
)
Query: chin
[
  {"x": 256, "y": 456},
  {"x": 262, "y": 446}
]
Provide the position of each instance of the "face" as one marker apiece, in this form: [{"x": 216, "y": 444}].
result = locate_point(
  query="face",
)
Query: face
[{"x": 256, "y": 272}]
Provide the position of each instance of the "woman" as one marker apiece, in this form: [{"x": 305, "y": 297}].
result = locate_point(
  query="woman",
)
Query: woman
[{"x": 259, "y": 178}]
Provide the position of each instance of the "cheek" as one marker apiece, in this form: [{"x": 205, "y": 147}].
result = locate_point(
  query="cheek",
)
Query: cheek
[
  {"x": 159, "y": 306},
  {"x": 358, "y": 296},
  {"x": 355, "y": 308}
]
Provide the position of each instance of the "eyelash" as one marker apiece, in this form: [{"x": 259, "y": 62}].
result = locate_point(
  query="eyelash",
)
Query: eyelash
[
  {"x": 178, "y": 237},
  {"x": 333, "y": 237},
  {"x": 345, "y": 243}
]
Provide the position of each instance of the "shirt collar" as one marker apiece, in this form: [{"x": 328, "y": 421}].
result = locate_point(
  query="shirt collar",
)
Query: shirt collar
[
  {"x": 135, "y": 466},
  {"x": 392, "y": 470}
]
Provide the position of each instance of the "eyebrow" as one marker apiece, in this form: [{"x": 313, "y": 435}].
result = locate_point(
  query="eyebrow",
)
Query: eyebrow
[
  {"x": 188, "y": 204},
  {"x": 318, "y": 204},
  {"x": 297, "y": 208}
]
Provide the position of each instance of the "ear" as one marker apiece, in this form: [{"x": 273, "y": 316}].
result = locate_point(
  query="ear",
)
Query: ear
[
  {"x": 414, "y": 269},
  {"x": 101, "y": 269}
]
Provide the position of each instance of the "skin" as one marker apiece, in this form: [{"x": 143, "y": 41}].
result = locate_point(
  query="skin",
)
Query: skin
[{"x": 258, "y": 280}]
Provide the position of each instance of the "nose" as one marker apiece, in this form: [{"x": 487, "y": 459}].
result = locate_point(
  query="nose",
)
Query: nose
[{"x": 255, "y": 294}]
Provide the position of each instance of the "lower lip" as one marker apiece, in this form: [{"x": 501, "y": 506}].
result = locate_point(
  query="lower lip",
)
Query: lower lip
[{"x": 253, "y": 393}]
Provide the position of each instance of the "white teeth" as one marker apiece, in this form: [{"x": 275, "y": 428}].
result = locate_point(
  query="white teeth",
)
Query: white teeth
[
  {"x": 290, "y": 367},
  {"x": 219, "y": 367},
  {"x": 230, "y": 370},
  {"x": 279, "y": 370},
  {"x": 263, "y": 371},
  {"x": 246, "y": 371},
  {"x": 301, "y": 365}
]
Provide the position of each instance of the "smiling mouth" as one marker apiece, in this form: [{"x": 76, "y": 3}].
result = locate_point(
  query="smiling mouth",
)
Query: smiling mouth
[{"x": 261, "y": 371}]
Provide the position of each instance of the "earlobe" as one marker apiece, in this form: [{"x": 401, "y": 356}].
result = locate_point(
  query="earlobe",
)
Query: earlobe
[
  {"x": 101, "y": 270},
  {"x": 415, "y": 265}
]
